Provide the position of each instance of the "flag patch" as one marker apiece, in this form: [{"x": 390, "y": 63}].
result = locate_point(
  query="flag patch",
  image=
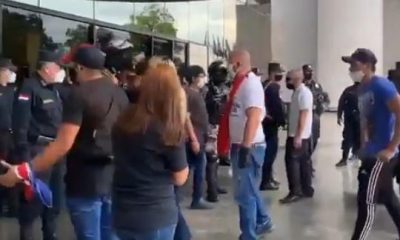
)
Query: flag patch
[{"x": 23, "y": 97}]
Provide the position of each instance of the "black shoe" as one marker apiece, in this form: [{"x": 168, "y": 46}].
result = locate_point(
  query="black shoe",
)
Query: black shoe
[
  {"x": 341, "y": 163},
  {"x": 222, "y": 190},
  {"x": 269, "y": 186},
  {"x": 212, "y": 198},
  {"x": 291, "y": 198},
  {"x": 224, "y": 161}
]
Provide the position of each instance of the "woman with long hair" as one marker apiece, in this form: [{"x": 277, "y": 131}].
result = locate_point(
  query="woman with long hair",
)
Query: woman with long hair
[{"x": 150, "y": 159}]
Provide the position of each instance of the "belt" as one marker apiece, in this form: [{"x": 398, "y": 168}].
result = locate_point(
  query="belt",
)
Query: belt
[{"x": 260, "y": 144}]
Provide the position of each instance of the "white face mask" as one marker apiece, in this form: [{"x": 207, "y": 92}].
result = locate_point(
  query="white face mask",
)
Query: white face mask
[
  {"x": 60, "y": 76},
  {"x": 202, "y": 82},
  {"x": 12, "y": 78},
  {"x": 357, "y": 76}
]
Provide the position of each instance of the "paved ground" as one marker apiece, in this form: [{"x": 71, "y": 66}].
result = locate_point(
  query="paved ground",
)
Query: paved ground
[{"x": 329, "y": 216}]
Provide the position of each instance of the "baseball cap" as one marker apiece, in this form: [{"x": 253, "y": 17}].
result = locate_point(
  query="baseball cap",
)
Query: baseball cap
[
  {"x": 67, "y": 58},
  {"x": 362, "y": 55},
  {"x": 50, "y": 56},
  {"x": 7, "y": 63},
  {"x": 90, "y": 57}
]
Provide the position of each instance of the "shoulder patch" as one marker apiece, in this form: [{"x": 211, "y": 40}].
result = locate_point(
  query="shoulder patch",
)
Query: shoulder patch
[{"x": 24, "y": 97}]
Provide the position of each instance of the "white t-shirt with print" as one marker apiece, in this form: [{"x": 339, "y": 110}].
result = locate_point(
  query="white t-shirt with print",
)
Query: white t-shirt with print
[
  {"x": 250, "y": 94},
  {"x": 302, "y": 99}
]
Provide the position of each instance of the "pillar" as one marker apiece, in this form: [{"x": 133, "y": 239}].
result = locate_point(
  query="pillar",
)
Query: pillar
[{"x": 343, "y": 26}]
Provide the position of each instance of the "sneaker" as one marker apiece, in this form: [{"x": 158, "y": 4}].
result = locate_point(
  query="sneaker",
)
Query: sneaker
[
  {"x": 269, "y": 186},
  {"x": 265, "y": 228},
  {"x": 341, "y": 163},
  {"x": 200, "y": 205}
]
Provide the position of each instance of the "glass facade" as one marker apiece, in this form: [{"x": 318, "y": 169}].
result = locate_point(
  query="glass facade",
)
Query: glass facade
[{"x": 161, "y": 27}]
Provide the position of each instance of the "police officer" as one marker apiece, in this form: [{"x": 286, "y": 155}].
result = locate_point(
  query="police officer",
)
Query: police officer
[
  {"x": 216, "y": 98},
  {"x": 348, "y": 106},
  {"x": 36, "y": 117},
  {"x": 320, "y": 99},
  {"x": 7, "y": 76}
]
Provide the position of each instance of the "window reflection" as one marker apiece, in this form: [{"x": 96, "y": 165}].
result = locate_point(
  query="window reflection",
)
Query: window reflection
[
  {"x": 155, "y": 18},
  {"x": 82, "y": 8},
  {"x": 120, "y": 13},
  {"x": 198, "y": 55},
  {"x": 63, "y": 34},
  {"x": 23, "y": 29},
  {"x": 180, "y": 13},
  {"x": 162, "y": 47},
  {"x": 179, "y": 53},
  {"x": 216, "y": 26},
  {"x": 198, "y": 21}
]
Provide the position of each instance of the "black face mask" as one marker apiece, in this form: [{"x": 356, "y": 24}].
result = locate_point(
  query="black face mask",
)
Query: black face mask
[
  {"x": 289, "y": 86},
  {"x": 278, "y": 78}
]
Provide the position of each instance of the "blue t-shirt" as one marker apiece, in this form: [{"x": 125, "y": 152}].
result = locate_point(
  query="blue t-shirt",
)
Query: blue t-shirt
[{"x": 376, "y": 115}]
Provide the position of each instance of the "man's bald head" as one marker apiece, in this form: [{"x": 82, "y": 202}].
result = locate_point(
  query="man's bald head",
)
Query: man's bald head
[
  {"x": 294, "y": 78},
  {"x": 240, "y": 61}
]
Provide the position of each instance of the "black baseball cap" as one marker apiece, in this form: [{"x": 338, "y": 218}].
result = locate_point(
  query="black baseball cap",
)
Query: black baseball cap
[
  {"x": 50, "y": 56},
  {"x": 362, "y": 55},
  {"x": 7, "y": 64},
  {"x": 90, "y": 57}
]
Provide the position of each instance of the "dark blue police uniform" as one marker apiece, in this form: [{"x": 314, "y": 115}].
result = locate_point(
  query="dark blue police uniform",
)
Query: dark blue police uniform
[{"x": 37, "y": 115}]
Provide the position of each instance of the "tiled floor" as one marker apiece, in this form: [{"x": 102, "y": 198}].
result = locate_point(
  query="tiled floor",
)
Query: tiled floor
[{"x": 329, "y": 216}]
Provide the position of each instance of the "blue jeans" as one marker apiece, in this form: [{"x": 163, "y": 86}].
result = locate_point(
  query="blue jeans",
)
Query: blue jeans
[
  {"x": 91, "y": 218},
  {"x": 197, "y": 163},
  {"x": 270, "y": 155},
  {"x": 252, "y": 209},
  {"x": 166, "y": 233}
]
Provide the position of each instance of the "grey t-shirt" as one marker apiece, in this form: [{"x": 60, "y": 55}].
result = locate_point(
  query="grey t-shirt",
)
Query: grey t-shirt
[{"x": 302, "y": 99}]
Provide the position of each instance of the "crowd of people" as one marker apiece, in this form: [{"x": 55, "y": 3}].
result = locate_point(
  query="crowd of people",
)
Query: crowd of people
[{"x": 125, "y": 141}]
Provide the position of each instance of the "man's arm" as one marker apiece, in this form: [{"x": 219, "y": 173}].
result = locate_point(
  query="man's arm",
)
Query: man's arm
[
  {"x": 341, "y": 105},
  {"x": 394, "y": 106},
  {"x": 57, "y": 149},
  {"x": 253, "y": 121}
]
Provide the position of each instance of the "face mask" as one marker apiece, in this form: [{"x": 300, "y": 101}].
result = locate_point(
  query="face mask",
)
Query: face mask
[
  {"x": 12, "y": 78},
  {"x": 60, "y": 76},
  {"x": 278, "y": 78},
  {"x": 290, "y": 86},
  {"x": 308, "y": 76},
  {"x": 357, "y": 76}
]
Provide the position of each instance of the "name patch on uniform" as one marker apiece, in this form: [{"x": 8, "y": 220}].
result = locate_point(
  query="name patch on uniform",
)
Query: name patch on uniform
[
  {"x": 46, "y": 101},
  {"x": 23, "y": 97}
]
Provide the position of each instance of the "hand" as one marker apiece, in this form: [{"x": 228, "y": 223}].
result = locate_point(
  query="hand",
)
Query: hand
[
  {"x": 9, "y": 179},
  {"x": 386, "y": 155},
  {"x": 339, "y": 121},
  {"x": 195, "y": 145},
  {"x": 244, "y": 157},
  {"x": 297, "y": 142}
]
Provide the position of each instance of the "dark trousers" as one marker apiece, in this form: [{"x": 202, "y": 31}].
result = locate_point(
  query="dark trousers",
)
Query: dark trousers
[
  {"x": 212, "y": 175},
  {"x": 197, "y": 165},
  {"x": 270, "y": 155},
  {"x": 316, "y": 131},
  {"x": 299, "y": 168},
  {"x": 375, "y": 186},
  {"x": 351, "y": 138},
  {"x": 7, "y": 196},
  {"x": 30, "y": 210}
]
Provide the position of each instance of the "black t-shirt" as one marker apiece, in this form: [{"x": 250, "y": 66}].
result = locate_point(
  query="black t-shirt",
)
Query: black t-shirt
[
  {"x": 143, "y": 190},
  {"x": 87, "y": 103},
  {"x": 6, "y": 104}
]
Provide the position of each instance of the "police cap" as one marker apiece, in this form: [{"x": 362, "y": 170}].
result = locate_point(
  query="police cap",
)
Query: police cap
[
  {"x": 49, "y": 56},
  {"x": 6, "y": 63},
  {"x": 361, "y": 55}
]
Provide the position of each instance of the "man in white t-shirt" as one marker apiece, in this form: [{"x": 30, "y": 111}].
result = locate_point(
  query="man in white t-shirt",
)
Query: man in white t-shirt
[
  {"x": 297, "y": 156},
  {"x": 248, "y": 147}
]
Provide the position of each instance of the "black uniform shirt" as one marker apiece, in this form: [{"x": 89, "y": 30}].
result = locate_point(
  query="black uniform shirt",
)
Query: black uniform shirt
[
  {"x": 274, "y": 106},
  {"x": 37, "y": 112},
  {"x": 6, "y": 104},
  {"x": 88, "y": 104},
  {"x": 348, "y": 104}
]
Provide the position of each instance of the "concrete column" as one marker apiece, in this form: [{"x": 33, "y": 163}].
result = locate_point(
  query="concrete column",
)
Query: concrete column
[
  {"x": 294, "y": 27},
  {"x": 343, "y": 26}
]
